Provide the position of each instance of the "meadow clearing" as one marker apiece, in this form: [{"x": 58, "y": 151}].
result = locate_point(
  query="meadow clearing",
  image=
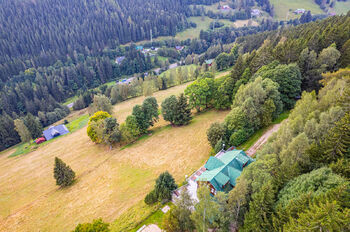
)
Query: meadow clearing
[
  {"x": 109, "y": 182},
  {"x": 284, "y": 8},
  {"x": 203, "y": 23}
]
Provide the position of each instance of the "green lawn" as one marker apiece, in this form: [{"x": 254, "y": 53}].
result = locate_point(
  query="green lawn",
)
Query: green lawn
[
  {"x": 284, "y": 8},
  {"x": 70, "y": 100},
  {"x": 25, "y": 148},
  {"x": 342, "y": 7},
  {"x": 192, "y": 33},
  {"x": 154, "y": 218},
  {"x": 78, "y": 123},
  {"x": 183, "y": 67}
]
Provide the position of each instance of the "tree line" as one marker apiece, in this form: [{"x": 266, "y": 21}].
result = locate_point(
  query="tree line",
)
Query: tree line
[{"x": 104, "y": 129}]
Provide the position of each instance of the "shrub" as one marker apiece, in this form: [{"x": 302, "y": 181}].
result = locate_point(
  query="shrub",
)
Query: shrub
[
  {"x": 151, "y": 198},
  {"x": 96, "y": 226},
  {"x": 238, "y": 137},
  {"x": 215, "y": 133},
  {"x": 218, "y": 146}
]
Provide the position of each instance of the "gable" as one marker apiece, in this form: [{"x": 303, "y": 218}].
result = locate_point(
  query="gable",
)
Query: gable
[
  {"x": 213, "y": 163},
  {"x": 54, "y": 131}
]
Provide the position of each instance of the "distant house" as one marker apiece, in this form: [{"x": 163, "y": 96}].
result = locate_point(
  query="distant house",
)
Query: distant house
[
  {"x": 157, "y": 71},
  {"x": 255, "y": 12},
  {"x": 221, "y": 172},
  {"x": 40, "y": 140},
  {"x": 299, "y": 11},
  {"x": 125, "y": 81},
  {"x": 55, "y": 131},
  {"x": 140, "y": 48},
  {"x": 70, "y": 105},
  {"x": 119, "y": 59},
  {"x": 209, "y": 62},
  {"x": 225, "y": 7},
  {"x": 179, "y": 48}
]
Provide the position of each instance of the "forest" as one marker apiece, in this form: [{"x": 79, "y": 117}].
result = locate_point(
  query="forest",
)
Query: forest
[{"x": 42, "y": 67}]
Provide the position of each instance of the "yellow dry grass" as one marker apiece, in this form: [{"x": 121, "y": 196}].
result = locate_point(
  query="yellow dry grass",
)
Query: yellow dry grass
[{"x": 108, "y": 183}]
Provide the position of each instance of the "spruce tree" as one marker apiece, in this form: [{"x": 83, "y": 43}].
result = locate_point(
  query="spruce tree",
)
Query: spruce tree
[
  {"x": 258, "y": 218},
  {"x": 165, "y": 184},
  {"x": 183, "y": 111},
  {"x": 337, "y": 143},
  {"x": 63, "y": 174}
]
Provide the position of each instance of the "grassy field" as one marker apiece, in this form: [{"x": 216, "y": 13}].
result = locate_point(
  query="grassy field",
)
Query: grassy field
[
  {"x": 192, "y": 33},
  {"x": 70, "y": 100},
  {"x": 284, "y": 8},
  {"x": 188, "y": 67},
  {"x": 109, "y": 182},
  {"x": 342, "y": 7},
  {"x": 203, "y": 24}
]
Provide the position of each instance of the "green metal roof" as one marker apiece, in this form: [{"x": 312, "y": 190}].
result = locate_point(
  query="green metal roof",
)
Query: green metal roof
[
  {"x": 221, "y": 178},
  {"x": 233, "y": 174},
  {"x": 213, "y": 163},
  {"x": 226, "y": 168}
]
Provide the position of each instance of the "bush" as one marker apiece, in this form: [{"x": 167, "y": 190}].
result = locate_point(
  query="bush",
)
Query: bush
[
  {"x": 238, "y": 137},
  {"x": 215, "y": 133},
  {"x": 218, "y": 147},
  {"x": 95, "y": 226},
  {"x": 151, "y": 198},
  {"x": 63, "y": 174}
]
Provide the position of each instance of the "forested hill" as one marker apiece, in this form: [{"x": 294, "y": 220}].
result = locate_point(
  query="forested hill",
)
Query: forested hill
[{"x": 39, "y": 32}]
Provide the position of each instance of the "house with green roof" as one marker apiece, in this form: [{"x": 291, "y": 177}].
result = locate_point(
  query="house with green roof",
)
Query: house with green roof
[{"x": 222, "y": 171}]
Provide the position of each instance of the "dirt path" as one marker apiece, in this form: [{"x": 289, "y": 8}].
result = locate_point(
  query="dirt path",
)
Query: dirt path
[{"x": 262, "y": 140}]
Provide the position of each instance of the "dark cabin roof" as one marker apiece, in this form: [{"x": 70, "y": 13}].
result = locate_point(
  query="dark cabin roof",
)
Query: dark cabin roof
[{"x": 55, "y": 131}]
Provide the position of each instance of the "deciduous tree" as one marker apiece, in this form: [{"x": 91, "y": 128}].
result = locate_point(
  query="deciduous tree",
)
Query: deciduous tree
[
  {"x": 22, "y": 130},
  {"x": 100, "y": 103}
]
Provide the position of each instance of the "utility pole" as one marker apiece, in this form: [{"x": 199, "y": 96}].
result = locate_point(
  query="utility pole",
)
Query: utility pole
[{"x": 151, "y": 36}]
